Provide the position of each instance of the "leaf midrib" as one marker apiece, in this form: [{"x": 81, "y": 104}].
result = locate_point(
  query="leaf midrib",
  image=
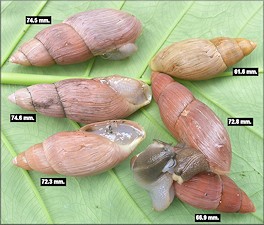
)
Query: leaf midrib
[
  {"x": 194, "y": 86},
  {"x": 37, "y": 193}
]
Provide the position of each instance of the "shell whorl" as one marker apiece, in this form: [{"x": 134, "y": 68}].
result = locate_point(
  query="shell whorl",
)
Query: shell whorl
[
  {"x": 79, "y": 38},
  {"x": 66, "y": 153},
  {"x": 42, "y": 98},
  {"x": 104, "y": 30},
  {"x": 57, "y": 44},
  {"x": 247, "y": 46},
  {"x": 34, "y": 159},
  {"x": 232, "y": 50}
]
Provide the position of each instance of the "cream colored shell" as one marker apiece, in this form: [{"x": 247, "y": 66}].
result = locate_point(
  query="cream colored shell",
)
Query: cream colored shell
[{"x": 200, "y": 59}]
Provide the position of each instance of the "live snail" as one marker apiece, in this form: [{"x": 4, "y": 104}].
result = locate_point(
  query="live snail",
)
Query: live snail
[
  {"x": 195, "y": 167},
  {"x": 166, "y": 171},
  {"x": 192, "y": 122}
]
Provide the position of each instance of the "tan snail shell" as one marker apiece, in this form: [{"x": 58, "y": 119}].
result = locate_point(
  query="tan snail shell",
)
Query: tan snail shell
[
  {"x": 192, "y": 122},
  {"x": 107, "y": 32},
  {"x": 93, "y": 149},
  {"x": 85, "y": 100},
  {"x": 200, "y": 59},
  {"x": 211, "y": 191}
]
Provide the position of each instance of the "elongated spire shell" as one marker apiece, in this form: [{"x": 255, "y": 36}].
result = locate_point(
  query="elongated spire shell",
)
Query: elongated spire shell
[
  {"x": 80, "y": 37},
  {"x": 192, "y": 122},
  {"x": 85, "y": 100},
  {"x": 93, "y": 149},
  {"x": 200, "y": 59}
]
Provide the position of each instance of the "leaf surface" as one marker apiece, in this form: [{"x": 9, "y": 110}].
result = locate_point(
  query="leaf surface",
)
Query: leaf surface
[{"x": 113, "y": 196}]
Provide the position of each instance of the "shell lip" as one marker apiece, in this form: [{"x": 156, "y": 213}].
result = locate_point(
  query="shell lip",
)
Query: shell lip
[
  {"x": 14, "y": 160},
  {"x": 132, "y": 161},
  {"x": 253, "y": 44},
  {"x": 123, "y": 132},
  {"x": 152, "y": 65},
  {"x": 91, "y": 126},
  {"x": 145, "y": 93}
]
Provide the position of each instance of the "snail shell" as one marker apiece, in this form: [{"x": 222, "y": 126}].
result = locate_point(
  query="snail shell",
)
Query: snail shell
[
  {"x": 200, "y": 59},
  {"x": 211, "y": 191},
  {"x": 85, "y": 100},
  {"x": 192, "y": 122},
  {"x": 93, "y": 149},
  {"x": 106, "y": 32}
]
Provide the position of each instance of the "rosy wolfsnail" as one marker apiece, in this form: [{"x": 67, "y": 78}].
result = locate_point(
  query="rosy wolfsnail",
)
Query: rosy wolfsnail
[
  {"x": 212, "y": 191},
  {"x": 192, "y": 122},
  {"x": 107, "y": 32},
  {"x": 93, "y": 149},
  {"x": 85, "y": 100},
  {"x": 156, "y": 168}
]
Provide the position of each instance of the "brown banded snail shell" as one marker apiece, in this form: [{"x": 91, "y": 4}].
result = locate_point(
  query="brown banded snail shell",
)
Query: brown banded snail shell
[{"x": 85, "y": 100}]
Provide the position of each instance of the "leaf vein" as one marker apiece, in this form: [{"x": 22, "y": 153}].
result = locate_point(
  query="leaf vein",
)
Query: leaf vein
[
  {"x": 113, "y": 174},
  {"x": 168, "y": 34},
  {"x": 218, "y": 105},
  {"x": 7, "y": 4},
  {"x": 29, "y": 180},
  {"x": 80, "y": 189},
  {"x": 246, "y": 162},
  {"x": 250, "y": 18},
  {"x": 21, "y": 35}
]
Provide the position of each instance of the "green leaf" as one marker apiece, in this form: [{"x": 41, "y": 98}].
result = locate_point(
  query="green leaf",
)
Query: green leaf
[{"x": 113, "y": 196}]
